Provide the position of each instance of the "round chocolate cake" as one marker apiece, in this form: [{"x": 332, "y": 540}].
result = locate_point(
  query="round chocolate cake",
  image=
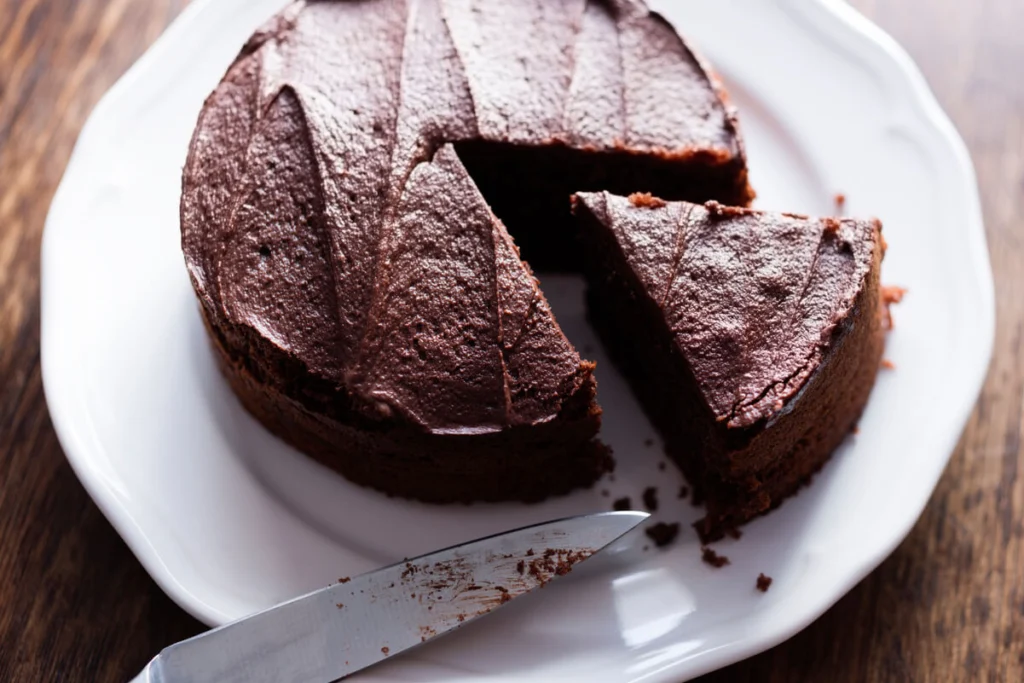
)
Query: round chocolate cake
[{"x": 346, "y": 212}]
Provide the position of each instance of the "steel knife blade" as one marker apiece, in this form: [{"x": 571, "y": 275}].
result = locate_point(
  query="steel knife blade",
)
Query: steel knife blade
[{"x": 335, "y": 631}]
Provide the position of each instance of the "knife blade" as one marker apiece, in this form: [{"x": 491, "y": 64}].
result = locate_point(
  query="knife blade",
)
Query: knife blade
[{"x": 335, "y": 631}]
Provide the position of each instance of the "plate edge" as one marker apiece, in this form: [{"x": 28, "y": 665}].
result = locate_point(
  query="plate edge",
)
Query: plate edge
[{"x": 925, "y": 106}]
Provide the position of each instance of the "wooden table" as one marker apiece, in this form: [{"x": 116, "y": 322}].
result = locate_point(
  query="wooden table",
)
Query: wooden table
[{"x": 76, "y": 606}]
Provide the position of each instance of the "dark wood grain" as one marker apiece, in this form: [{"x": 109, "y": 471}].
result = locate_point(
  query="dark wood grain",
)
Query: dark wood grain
[
  {"x": 948, "y": 605},
  {"x": 75, "y": 605}
]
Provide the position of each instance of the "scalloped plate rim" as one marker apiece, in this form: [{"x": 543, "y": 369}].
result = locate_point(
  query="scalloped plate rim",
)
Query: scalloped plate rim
[{"x": 843, "y": 18}]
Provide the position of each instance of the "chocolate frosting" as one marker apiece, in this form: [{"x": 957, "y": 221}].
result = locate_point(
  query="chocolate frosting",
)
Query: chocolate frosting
[
  {"x": 325, "y": 209},
  {"x": 753, "y": 299}
]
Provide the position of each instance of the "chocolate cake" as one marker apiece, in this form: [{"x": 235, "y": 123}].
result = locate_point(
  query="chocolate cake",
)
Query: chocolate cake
[
  {"x": 752, "y": 339},
  {"x": 339, "y": 225}
]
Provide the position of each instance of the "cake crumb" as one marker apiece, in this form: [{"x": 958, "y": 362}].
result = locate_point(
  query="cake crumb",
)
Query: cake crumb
[
  {"x": 890, "y": 295},
  {"x": 763, "y": 583},
  {"x": 832, "y": 225},
  {"x": 622, "y": 504},
  {"x": 650, "y": 497},
  {"x": 684, "y": 491},
  {"x": 338, "y": 605},
  {"x": 840, "y": 200},
  {"x": 662, "y": 533},
  {"x": 646, "y": 200},
  {"x": 715, "y": 210},
  {"x": 344, "y": 579},
  {"x": 521, "y": 567},
  {"x": 696, "y": 497},
  {"x": 711, "y": 557},
  {"x": 385, "y": 649},
  {"x": 888, "y": 364}
]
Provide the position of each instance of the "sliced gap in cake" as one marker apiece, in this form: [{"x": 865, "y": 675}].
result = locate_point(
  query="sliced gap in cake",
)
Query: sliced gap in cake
[{"x": 530, "y": 187}]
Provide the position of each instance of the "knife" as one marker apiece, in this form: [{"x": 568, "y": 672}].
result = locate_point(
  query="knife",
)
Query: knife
[{"x": 335, "y": 631}]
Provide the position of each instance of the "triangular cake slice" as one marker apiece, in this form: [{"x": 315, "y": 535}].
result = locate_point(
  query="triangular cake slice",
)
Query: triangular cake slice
[{"x": 751, "y": 338}]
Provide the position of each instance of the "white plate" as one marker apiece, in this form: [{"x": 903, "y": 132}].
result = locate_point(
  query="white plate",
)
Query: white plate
[{"x": 228, "y": 520}]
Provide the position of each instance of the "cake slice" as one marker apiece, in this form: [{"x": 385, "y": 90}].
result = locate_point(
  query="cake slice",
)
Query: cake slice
[{"x": 752, "y": 339}]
